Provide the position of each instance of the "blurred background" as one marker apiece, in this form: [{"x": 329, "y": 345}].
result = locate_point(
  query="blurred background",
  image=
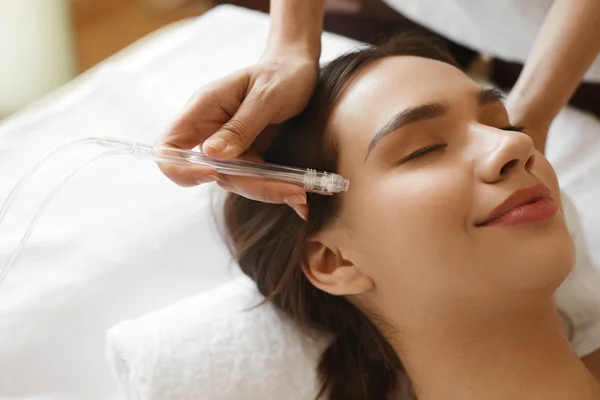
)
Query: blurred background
[{"x": 46, "y": 43}]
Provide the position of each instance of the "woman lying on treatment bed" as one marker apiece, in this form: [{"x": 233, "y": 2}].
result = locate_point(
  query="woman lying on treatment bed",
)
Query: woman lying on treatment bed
[{"x": 440, "y": 263}]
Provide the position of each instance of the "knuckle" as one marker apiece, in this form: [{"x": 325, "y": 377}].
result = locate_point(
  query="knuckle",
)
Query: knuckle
[
  {"x": 216, "y": 91},
  {"x": 206, "y": 91},
  {"x": 238, "y": 129},
  {"x": 264, "y": 89},
  {"x": 267, "y": 71}
]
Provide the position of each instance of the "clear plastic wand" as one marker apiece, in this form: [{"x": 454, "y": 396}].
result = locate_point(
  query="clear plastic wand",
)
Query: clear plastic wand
[{"x": 307, "y": 178}]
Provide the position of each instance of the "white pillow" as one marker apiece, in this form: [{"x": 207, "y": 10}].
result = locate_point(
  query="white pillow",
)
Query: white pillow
[{"x": 217, "y": 345}]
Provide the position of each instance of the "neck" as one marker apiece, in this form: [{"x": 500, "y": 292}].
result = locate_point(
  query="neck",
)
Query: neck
[{"x": 523, "y": 354}]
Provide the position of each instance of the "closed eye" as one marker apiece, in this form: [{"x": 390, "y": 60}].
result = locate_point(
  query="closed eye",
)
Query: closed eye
[{"x": 436, "y": 148}]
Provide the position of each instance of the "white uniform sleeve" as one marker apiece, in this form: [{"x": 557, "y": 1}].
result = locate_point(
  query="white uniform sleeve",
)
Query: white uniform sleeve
[{"x": 578, "y": 298}]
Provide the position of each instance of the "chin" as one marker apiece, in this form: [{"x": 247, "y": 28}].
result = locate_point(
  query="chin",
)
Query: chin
[
  {"x": 536, "y": 258},
  {"x": 548, "y": 257}
]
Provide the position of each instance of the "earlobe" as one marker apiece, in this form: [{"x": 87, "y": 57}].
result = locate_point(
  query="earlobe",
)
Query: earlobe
[{"x": 326, "y": 269}]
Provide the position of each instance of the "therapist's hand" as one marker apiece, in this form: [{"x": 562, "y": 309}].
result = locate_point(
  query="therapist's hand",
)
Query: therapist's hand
[
  {"x": 226, "y": 116},
  {"x": 559, "y": 58},
  {"x": 536, "y": 126}
]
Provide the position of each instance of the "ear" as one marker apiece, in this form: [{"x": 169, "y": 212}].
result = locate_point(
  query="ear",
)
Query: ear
[{"x": 326, "y": 269}]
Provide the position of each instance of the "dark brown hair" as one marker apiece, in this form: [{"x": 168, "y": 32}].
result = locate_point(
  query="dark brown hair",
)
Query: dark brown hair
[{"x": 267, "y": 240}]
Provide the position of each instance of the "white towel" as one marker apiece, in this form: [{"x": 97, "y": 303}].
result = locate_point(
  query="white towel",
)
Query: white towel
[{"x": 215, "y": 346}]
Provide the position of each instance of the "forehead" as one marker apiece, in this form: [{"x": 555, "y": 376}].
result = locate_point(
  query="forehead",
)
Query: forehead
[
  {"x": 388, "y": 86},
  {"x": 392, "y": 84}
]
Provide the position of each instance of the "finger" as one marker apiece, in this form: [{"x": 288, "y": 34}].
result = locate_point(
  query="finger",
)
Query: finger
[
  {"x": 256, "y": 158},
  {"x": 188, "y": 175},
  {"x": 301, "y": 210},
  {"x": 267, "y": 191},
  {"x": 201, "y": 118},
  {"x": 237, "y": 134},
  {"x": 206, "y": 112},
  {"x": 322, "y": 192},
  {"x": 295, "y": 203}
]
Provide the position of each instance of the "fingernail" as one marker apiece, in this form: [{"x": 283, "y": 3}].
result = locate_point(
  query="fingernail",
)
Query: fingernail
[
  {"x": 299, "y": 211},
  {"x": 301, "y": 215},
  {"x": 217, "y": 144},
  {"x": 295, "y": 199}
]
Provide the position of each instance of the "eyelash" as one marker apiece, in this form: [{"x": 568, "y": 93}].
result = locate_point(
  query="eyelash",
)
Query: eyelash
[
  {"x": 440, "y": 147},
  {"x": 424, "y": 151}
]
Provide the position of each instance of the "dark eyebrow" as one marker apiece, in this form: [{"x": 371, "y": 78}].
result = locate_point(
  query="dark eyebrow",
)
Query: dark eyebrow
[
  {"x": 424, "y": 112},
  {"x": 406, "y": 117},
  {"x": 488, "y": 95}
]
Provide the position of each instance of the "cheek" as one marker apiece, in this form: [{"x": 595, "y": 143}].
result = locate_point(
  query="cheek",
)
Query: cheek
[{"x": 407, "y": 222}]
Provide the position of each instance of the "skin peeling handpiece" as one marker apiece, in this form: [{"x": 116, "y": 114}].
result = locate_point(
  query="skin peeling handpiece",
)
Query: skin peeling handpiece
[{"x": 307, "y": 178}]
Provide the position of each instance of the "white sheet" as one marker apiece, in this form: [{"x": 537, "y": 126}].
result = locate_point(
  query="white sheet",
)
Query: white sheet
[{"x": 121, "y": 240}]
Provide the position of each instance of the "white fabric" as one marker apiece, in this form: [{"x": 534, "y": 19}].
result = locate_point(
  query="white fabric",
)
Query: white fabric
[
  {"x": 578, "y": 298},
  {"x": 216, "y": 346},
  {"x": 505, "y": 29},
  {"x": 121, "y": 240}
]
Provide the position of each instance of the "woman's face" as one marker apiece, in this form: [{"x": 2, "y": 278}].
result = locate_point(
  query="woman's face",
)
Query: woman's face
[{"x": 430, "y": 156}]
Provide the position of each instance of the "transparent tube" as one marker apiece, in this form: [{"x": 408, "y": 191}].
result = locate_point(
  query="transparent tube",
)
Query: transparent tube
[
  {"x": 307, "y": 178},
  {"x": 17, "y": 188},
  {"x": 15, "y": 255}
]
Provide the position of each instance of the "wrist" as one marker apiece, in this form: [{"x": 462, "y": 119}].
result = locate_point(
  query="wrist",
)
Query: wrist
[
  {"x": 296, "y": 26},
  {"x": 536, "y": 124},
  {"x": 529, "y": 113},
  {"x": 294, "y": 50}
]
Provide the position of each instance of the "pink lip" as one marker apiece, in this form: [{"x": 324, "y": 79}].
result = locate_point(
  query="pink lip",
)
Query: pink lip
[{"x": 525, "y": 206}]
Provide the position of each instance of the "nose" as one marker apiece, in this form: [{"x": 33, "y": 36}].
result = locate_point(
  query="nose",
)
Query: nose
[{"x": 506, "y": 153}]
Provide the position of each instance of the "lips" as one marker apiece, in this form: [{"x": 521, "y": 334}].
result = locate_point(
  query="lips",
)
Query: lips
[{"x": 529, "y": 205}]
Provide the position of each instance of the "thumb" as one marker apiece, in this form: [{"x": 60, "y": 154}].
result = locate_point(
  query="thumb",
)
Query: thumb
[{"x": 237, "y": 134}]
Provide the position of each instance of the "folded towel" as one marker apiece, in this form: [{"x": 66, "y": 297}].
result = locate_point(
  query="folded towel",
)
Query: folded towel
[{"x": 217, "y": 345}]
